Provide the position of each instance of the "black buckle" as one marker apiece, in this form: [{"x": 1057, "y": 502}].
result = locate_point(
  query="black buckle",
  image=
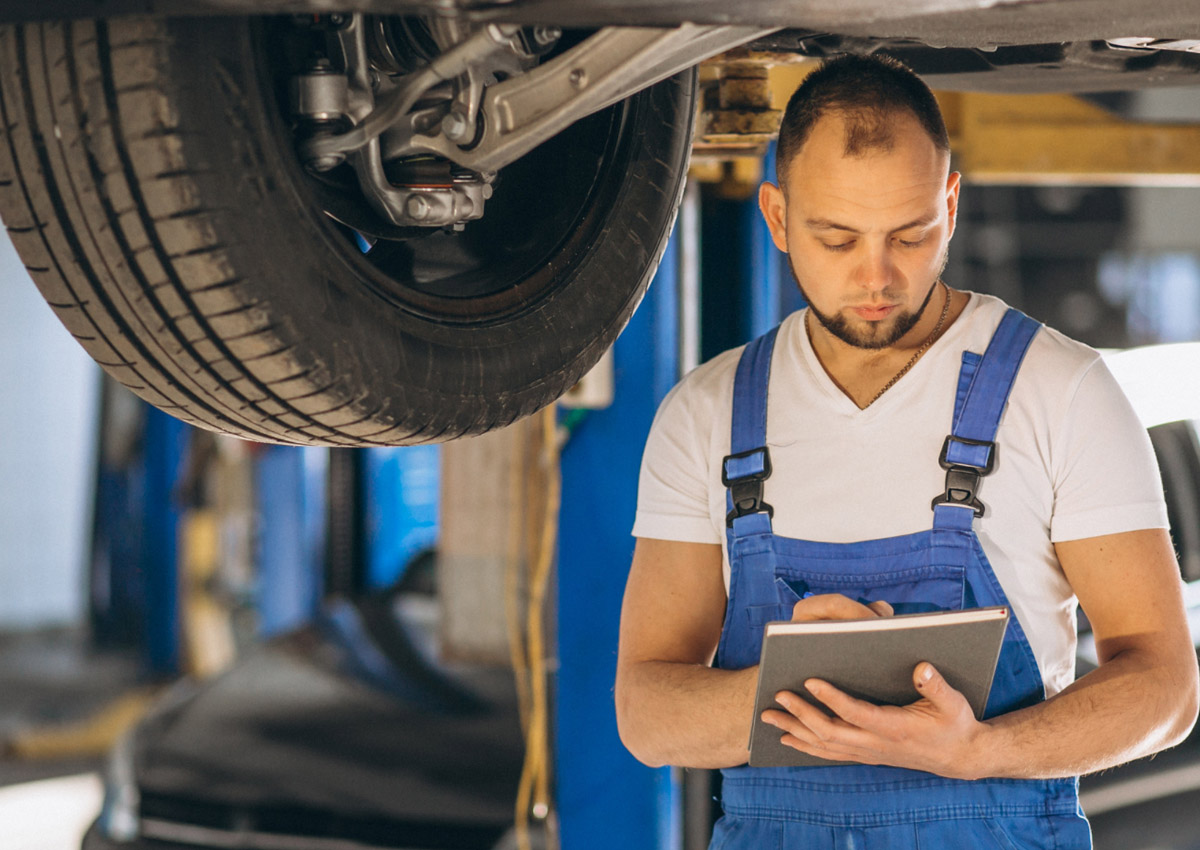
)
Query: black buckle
[
  {"x": 746, "y": 491},
  {"x": 962, "y": 480}
]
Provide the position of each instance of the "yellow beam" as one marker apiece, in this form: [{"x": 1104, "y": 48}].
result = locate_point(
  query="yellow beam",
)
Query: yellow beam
[{"x": 1061, "y": 139}]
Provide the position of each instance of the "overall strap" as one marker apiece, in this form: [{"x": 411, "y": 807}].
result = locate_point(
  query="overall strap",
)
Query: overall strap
[
  {"x": 748, "y": 463},
  {"x": 969, "y": 452}
]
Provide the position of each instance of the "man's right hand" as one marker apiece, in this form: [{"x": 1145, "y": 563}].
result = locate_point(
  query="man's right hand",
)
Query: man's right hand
[{"x": 835, "y": 606}]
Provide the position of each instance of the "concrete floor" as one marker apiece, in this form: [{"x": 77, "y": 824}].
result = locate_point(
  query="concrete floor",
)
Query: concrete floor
[{"x": 50, "y": 681}]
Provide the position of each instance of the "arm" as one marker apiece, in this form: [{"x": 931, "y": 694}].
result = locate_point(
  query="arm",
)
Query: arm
[
  {"x": 672, "y": 708},
  {"x": 1141, "y": 699}
]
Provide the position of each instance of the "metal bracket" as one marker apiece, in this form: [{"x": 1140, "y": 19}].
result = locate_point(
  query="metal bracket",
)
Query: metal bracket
[
  {"x": 524, "y": 111},
  {"x": 527, "y": 109}
]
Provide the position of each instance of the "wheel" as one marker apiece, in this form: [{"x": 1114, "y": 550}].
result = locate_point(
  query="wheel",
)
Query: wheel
[{"x": 149, "y": 181}]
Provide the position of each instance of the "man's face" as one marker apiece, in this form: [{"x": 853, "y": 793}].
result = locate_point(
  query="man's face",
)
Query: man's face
[{"x": 866, "y": 235}]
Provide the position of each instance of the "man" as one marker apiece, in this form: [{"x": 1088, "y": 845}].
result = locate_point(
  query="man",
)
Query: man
[{"x": 1054, "y": 496}]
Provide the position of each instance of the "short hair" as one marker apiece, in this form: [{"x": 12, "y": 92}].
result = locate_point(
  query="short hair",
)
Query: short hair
[{"x": 868, "y": 91}]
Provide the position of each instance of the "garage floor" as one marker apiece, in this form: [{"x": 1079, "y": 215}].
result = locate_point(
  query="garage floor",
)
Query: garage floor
[
  {"x": 50, "y": 787},
  {"x": 50, "y": 681}
]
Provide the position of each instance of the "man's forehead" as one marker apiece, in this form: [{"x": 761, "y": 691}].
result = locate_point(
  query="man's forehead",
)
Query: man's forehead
[
  {"x": 883, "y": 187},
  {"x": 867, "y": 203}
]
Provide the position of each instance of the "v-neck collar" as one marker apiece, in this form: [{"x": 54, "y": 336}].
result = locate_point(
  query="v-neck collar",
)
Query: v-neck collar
[{"x": 842, "y": 403}]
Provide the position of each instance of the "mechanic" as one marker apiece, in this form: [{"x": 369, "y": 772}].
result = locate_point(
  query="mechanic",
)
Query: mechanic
[{"x": 1053, "y": 496}]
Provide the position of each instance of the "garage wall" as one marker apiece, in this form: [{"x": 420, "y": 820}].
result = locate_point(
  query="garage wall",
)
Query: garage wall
[
  {"x": 48, "y": 403},
  {"x": 1164, "y": 219}
]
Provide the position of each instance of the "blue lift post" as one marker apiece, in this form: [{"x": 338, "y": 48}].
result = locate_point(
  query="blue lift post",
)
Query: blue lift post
[
  {"x": 401, "y": 506},
  {"x": 762, "y": 270},
  {"x": 164, "y": 448},
  {"x": 606, "y": 798},
  {"x": 289, "y": 485}
]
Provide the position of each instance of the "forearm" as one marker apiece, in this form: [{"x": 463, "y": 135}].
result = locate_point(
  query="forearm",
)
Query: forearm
[
  {"x": 1131, "y": 706},
  {"x": 688, "y": 715}
]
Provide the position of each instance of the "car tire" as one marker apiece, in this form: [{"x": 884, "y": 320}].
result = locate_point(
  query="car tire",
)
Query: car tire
[{"x": 149, "y": 182}]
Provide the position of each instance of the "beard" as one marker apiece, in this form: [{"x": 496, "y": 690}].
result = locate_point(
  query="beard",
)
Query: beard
[{"x": 875, "y": 335}]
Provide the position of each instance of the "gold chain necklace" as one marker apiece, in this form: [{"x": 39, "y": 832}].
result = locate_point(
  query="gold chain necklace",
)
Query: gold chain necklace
[{"x": 917, "y": 355}]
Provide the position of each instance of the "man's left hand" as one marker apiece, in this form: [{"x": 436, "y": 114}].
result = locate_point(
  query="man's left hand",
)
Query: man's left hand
[{"x": 938, "y": 733}]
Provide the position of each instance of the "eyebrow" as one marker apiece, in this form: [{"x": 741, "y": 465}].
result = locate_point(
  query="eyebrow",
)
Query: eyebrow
[{"x": 827, "y": 224}]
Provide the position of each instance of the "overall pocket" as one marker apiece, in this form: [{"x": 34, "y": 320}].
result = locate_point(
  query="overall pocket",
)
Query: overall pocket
[{"x": 909, "y": 591}]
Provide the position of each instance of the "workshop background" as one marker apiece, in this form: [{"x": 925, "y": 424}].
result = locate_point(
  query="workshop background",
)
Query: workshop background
[{"x": 415, "y": 647}]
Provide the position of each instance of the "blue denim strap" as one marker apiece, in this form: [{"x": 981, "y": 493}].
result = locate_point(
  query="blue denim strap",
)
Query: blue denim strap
[
  {"x": 984, "y": 385},
  {"x": 977, "y": 414},
  {"x": 748, "y": 432},
  {"x": 750, "y": 395}
]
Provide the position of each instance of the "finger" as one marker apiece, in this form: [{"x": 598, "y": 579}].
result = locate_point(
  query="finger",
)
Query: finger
[
  {"x": 830, "y": 753},
  {"x": 881, "y": 607},
  {"x": 831, "y": 606},
  {"x": 933, "y": 687},
  {"x": 820, "y": 723},
  {"x": 855, "y": 712},
  {"x": 791, "y": 725},
  {"x": 836, "y": 740}
]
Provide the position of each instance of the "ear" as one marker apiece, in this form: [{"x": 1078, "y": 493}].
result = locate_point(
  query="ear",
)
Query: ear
[
  {"x": 774, "y": 210},
  {"x": 953, "y": 184}
]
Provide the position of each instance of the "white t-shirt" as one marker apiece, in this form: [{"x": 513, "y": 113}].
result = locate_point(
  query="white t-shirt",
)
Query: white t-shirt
[{"x": 1073, "y": 462}]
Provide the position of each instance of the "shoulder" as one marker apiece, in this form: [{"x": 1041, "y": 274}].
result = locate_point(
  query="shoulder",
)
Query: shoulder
[
  {"x": 1053, "y": 359},
  {"x": 705, "y": 394},
  {"x": 694, "y": 401},
  {"x": 690, "y": 415},
  {"x": 698, "y": 411}
]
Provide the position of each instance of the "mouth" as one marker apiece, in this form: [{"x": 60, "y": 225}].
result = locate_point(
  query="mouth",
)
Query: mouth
[{"x": 874, "y": 314}]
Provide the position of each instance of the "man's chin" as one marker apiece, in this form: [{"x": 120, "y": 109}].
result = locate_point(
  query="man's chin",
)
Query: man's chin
[{"x": 862, "y": 333}]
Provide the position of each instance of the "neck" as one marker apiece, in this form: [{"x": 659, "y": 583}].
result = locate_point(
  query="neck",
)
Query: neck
[{"x": 861, "y": 372}]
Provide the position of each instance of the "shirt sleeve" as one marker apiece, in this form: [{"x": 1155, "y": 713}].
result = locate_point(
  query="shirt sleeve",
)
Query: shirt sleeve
[
  {"x": 672, "y": 502},
  {"x": 1106, "y": 478}
]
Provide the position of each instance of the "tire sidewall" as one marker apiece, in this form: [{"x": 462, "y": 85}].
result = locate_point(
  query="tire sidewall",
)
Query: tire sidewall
[{"x": 477, "y": 376}]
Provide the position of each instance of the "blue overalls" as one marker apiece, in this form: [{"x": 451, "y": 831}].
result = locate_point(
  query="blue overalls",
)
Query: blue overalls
[{"x": 860, "y": 806}]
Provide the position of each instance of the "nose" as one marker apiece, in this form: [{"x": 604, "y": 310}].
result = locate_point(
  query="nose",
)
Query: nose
[{"x": 877, "y": 269}]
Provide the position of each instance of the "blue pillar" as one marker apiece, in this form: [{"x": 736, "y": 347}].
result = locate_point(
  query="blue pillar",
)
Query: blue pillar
[
  {"x": 761, "y": 277},
  {"x": 165, "y": 442},
  {"x": 289, "y": 484},
  {"x": 605, "y": 797},
  {"x": 401, "y": 507}
]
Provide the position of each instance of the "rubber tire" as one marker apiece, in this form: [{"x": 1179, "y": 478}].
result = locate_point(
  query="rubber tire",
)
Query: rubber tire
[{"x": 142, "y": 188}]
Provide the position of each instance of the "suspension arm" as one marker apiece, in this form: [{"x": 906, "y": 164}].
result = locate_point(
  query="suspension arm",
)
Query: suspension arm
[{"x": 524, "y": 111}]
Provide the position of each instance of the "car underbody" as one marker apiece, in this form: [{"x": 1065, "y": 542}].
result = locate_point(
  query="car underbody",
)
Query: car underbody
[{"x": 419, "y": 149}]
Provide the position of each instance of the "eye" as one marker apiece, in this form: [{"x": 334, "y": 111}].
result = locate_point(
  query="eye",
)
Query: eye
[
  {"x": 912, "y": 243},
  {"x": 841, "y": 246}
]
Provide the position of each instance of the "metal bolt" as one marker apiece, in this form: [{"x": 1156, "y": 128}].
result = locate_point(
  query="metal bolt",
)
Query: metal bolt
[
  {"x": 326, "y": 162},
  {"x": 577, "y": 78},
  {"x": 455, "y": 126},
  {"x": 546, "y": 35},
  {"x": 502, "y": 33},
  {"x": 418, "y": 207}
]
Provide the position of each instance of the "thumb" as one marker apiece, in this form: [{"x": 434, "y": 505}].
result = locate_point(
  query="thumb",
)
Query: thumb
[{"x": 929, "y": 682}]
